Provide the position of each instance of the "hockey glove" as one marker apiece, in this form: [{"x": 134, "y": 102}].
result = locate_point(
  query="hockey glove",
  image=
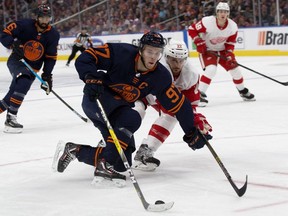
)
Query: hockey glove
[
  {"x": 94, "y": 87},
  {"x": 195, "y": 140},
  {"x": 200, "y": 44},
  {"x": 48, "y": 83},
  {"x": 201, "y": 123},
  {"x": 230, "y": 59},
  {"x": 18, "y": 49}
]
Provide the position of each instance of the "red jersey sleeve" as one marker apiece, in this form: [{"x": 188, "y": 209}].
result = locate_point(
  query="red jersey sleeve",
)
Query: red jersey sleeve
[
  {"x": 195, "y": 29},
  {"x": 230, "y": 42}
]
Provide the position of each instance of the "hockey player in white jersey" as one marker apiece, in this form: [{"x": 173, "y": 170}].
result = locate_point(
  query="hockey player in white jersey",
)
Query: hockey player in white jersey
[
  {"x": 186, "y": 80},
  {"x": 217, "y": 34}
]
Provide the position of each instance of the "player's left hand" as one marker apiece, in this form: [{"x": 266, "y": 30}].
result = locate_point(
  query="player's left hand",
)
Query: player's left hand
[
  {"x": 94, "y": 87},
  {"x": 230, "y": 59},
  {"x": 201, "y": 123},
  {"x": 48, "y": 83}
]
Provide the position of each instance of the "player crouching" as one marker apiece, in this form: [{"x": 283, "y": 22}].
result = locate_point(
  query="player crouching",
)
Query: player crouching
[{"x": 185, "y": 77}]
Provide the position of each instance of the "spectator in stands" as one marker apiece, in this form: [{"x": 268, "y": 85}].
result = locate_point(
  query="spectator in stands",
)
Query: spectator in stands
[
  {"x": 266, "y": 18},
  {"x": 149, "y": 13}
]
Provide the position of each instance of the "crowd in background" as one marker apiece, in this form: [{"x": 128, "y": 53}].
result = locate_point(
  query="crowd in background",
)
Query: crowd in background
[{"x": 134, "y": 16}]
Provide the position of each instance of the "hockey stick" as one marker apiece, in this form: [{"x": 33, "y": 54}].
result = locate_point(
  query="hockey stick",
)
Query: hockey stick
[
  {"x": 223, "y": 57},
  {"x": 240, "y": 192},
  {"x": 162, "y": 206},
  {"x": 43, "y": 82}
]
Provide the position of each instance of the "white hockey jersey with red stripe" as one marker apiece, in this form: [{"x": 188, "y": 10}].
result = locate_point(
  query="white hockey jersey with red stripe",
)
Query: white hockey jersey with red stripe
[
  {"x": 217, "y": 38},
  {"x": 186, "y": 82}
]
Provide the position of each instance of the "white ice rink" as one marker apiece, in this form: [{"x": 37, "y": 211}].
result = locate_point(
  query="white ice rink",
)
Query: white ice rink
[{"x": 251, "y": 138}]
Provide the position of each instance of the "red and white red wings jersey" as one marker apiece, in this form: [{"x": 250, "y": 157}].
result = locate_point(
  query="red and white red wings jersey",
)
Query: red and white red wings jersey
[
  {"x": 187, "y": 78},
  {"x": 187, "y": 83},
  {"x": 216, "y": 38}
]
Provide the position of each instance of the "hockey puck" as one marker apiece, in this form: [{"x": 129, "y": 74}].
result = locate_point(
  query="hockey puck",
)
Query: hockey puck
[{"x": 158, "y": 202}]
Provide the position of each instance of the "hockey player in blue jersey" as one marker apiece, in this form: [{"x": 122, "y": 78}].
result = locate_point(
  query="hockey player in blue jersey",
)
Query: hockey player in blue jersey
[
  {"x": 36, "y": 42},
  {"x": 118, "y": 74}
]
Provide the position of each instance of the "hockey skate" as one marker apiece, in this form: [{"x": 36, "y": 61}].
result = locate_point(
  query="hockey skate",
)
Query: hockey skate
[
  {"x": 11, "y": 124},
  {"x": 203, "y": 100},
  {"x": 68, "y": 154},
  {"x": 246, "y": 95},
  {"x": 104, "y": 174},
  {"x": 144, "y": 159}
]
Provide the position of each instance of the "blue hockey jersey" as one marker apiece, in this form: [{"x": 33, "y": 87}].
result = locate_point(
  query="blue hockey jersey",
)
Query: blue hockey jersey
[
  {"x": 39, "y": 47},
  {"x": 116, "y": 65}
]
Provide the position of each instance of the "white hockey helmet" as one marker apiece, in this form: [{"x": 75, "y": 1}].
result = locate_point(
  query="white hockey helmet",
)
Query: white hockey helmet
[
  {"x": 176, "y": 49},
  {"x": 223, "y": 6}
]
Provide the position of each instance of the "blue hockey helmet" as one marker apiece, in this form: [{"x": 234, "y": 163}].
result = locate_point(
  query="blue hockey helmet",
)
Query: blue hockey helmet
[
  {"x": 44, "y": 10},
  {"x": 154, "y": 39}
]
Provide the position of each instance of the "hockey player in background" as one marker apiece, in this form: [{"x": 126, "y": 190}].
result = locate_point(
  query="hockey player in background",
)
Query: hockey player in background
[
  {"x": 118, "y": 74},
  {"x": 36, "y": 42},
  {"x": 80, "y": 44},
  {"x": 217, "y": 34},
  {"x": 185, "y": 78}
]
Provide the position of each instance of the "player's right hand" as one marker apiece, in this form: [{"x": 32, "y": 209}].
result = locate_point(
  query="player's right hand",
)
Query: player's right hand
[
  {"x": 94, "y": 87},
  {"x": 201, "y": 45},
  {"x": 195, "y": 140},
  {"x": 230, "y": 59}
]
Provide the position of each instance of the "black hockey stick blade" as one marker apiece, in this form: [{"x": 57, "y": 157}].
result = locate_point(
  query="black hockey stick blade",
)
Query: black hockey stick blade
[
  {"x": 240, "y": 192},
  {"x": 159, "y": 207}
]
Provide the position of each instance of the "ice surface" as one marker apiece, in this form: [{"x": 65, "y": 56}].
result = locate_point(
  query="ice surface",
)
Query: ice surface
[{"x": 249, "y": 137}]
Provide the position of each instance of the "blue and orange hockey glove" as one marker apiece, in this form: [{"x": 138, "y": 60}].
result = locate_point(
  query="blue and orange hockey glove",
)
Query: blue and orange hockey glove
[
  {"x": 94, "y": 87},
  {"x": 195, "y": 140}
]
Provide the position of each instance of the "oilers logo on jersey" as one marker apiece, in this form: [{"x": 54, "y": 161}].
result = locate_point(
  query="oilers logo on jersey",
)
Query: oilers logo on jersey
[
  {"x": 127, "y": 92},
  {"x": 33, "y": 50}
]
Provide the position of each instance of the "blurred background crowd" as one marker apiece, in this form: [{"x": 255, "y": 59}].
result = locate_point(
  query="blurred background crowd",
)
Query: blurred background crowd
[{"x": 103, "y": 17}]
